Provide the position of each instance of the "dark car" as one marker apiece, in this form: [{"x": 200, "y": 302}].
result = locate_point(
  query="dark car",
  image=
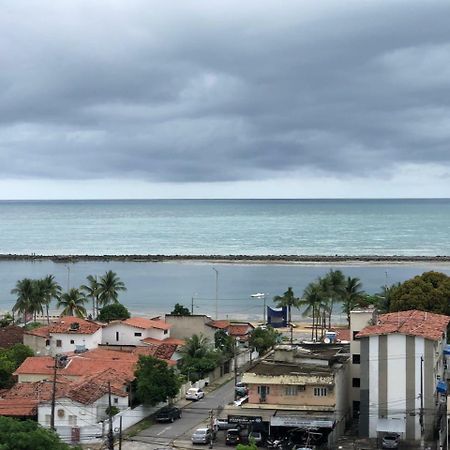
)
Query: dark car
[
  {"x": 168, "y": 414},
  {"x": 391, "y": 440},
  {"x": 233, "y": 437}
]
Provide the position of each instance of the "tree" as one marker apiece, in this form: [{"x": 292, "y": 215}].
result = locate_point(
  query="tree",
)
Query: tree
[
  {"x": 312, "y": 299},
  {"x": 180, "y": 310},
  {"x": 27, "y": 434},
  {"x": 109, "y": 287},
  {"x": 224, "y": 343},
  {"x": 427, "y": 292},
  {"x": 92, "y": 291},
  {"x": 24, "y": 291},
  {"x": 155, "y": 381},
  {"x": 48, "y": 290},
  {"x": 353, "y": 296},
  {"x": 199, "y": 357},
  {"x": 115, "y": 311},
  {"x": 334, "y": 290},
  {"x": 72, "y": 303},
  {"x": 289, "y": 300},
  {"x": 10, "y": 360},
  {"x": 263, "y": 339},
  {"x": 6, "y": 320}
]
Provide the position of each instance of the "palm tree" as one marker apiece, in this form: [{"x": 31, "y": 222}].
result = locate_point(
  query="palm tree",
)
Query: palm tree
[
  {"x": 109, "y": 287},
  {"x": 353, "y": 295},
  {"x": 334, "y": 289},
  {"x": 72, "y": 303},
  {"x": 385, "y": 297},
  {"x": 312, "y": 298},
  {"x": 25, "y": 293},
  {"x": 49, "y": 290},
  {"x": 288, "y": 300},
  {"x": 92, "y": 291},
  {"x": 197, "y": 346}
]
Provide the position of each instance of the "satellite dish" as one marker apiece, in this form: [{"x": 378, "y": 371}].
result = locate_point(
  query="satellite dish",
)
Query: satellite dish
[{"x": 327, "y": 340}]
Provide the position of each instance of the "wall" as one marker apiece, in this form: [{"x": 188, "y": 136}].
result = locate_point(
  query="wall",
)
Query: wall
[
  {"x": 37, "y": 344},
  {"x": 185, "y": 326},
  {"x": 127, "y": 334},
  {"x": 90, "y": 341}
]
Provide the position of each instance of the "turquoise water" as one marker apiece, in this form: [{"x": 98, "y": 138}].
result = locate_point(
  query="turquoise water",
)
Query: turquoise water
[{"x": 252, "y": 227}]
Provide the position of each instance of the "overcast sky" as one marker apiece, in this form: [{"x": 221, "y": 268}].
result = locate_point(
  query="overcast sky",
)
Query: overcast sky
[{"x": 188, "y": 99}]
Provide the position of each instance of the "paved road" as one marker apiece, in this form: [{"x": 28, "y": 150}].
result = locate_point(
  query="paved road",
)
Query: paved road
[{"x": 193, "y": 415}]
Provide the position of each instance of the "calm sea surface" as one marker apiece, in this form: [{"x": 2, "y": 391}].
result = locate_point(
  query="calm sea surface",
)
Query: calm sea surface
[{"x": 262, "y": 227}]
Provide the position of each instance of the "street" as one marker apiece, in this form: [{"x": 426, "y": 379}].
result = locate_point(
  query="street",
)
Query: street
[{"x": 179, "y": 433}]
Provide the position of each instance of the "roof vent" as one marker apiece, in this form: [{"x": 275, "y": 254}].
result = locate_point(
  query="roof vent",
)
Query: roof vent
[{"x": 74, "y": 326}]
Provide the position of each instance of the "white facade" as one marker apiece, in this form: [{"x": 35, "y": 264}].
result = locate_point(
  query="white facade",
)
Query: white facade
[
  {"x": 68, "y": 342},
  {"x": 118, "y": 333}
]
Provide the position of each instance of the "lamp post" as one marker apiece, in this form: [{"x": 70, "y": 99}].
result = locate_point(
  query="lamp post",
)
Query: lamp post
[
  {"x": 68, "y": 278},
  {"x": 217, "y": 290},
  {"x": 263, "y": 296}
]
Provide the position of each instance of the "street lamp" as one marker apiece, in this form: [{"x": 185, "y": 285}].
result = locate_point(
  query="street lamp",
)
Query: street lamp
[
  {"x": 263, "y": 296},
  {"x": 68, "y": 277},
  {"x": 217, "y": 289}
]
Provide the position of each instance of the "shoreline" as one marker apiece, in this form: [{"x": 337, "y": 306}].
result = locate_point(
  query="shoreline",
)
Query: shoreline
[{"x": 239, "y": 259}]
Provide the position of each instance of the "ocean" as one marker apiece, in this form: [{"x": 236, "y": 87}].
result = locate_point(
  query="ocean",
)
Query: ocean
[{"x": 218, "y": 227}]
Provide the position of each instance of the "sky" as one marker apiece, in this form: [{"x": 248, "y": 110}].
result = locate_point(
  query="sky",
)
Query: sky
[{"x": 224, "y": 99}]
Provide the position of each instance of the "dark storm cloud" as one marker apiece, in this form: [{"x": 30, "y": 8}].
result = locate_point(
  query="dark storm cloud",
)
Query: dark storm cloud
[{"x": 219, "y": 91}]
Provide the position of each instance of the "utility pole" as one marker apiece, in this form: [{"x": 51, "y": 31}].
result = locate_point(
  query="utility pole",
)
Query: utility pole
[
  {"x": 235, "y": 368},
  {"x": 211, "y": 425},
  {"x": 120, "y": 433},
  {"x": 110, "y": 432},
  {"x": 53, "y": 404},
  {"x": 422, "y": 443},
  {"x": 192, "y": 306}
]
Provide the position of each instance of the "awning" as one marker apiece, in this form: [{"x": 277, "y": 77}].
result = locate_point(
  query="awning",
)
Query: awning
[
  {"x": 300, "y": 422},
  {"x": 393, "y": 425}
]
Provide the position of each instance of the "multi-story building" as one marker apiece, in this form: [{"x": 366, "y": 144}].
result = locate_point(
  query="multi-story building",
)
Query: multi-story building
[{"x": 401, "y": 373}]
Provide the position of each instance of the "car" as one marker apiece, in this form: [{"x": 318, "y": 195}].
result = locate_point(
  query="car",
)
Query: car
[
  {"x": 202, "y": 436},
  {"x": 222, "y": 424},
  {"x": 168, "y": 414},
  {"x": 233, "y": 437},
  {"x": 194, "y": 394},
  {"x": 241, "y": 391},
  {"x": 391, "y": 440},
  {"x": 256, "y": 436}
]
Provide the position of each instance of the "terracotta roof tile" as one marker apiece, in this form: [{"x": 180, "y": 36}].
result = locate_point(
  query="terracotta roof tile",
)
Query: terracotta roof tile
[
  {"x": 412, "y": 323},
  {"x": 343, "y": 334},
  {"x": 38, "y": 390},
  {"x": 144, "y": 323},
  {"x": 238, "y": 330},
  {"x": 10, "y": 336},
  {"x": 18, "y": 408},
  {"x": 220, "y": 324},
  {"x": 67, "y": 324},
  {"x": 164, "y": 341},
  {"x": 42, "y": 332}
]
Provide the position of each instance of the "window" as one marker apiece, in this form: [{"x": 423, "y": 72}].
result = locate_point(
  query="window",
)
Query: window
[
  {"x": 117, "y": 336},
  {"x": 290, "y": 390},
  {"x": 48, "y": 419},
  {"x": 58, "y": 343},
  {"x": 263, "y": 390},
  {"x": 116, "y": 400},
  {"x": 356, "y": 359},
  {"x": 73, "y": 421},
  {"x": 72, "y": 341},
  {"x": 356, "y": 382},
  {"x": 138, "y": 334},
  {"x": 320, "y": 391},
  {"x": 354, "y": 335},
  {"x": 301, "y": 387},
  {"x": 166, "y": 331},
  {"x": 47, "y": 342}
]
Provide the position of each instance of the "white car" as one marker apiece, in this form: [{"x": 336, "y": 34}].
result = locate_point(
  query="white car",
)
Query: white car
[{"x": 194, "y": 394}]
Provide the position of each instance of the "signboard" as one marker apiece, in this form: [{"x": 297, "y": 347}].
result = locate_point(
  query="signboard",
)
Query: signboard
[
  {"x": 300, "y": 422},
  {"x": 244, "y": 420}
]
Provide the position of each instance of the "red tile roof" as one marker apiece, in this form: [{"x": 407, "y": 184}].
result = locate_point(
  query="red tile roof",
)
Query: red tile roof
[
  {"x": 238, "y": 330},
  {"x": 220, "y": 324},
  {"x": 38, "y": 390},
  {"x": 412, "y": 323},
  {"x": 163, "y": 341},
  {"x": 142, "y": 322},
  {"x": 18, "y": 408},
  {"x": 342, "y": 334},
  {"x": 67, "y": 324},
  {"x": 161, "y": 351},
  {"x": 10, "y": 336},
  {"x": 40, "y": 332}
]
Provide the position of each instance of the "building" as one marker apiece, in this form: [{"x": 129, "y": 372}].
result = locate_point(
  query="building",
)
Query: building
[
  {"x": 401, "y": 373},
  {"x": 301, "y": 387},
  {"x": 11, "y": 335},
  {"x": 359, "y": 319},
  {"x": 68, "y": 334}
]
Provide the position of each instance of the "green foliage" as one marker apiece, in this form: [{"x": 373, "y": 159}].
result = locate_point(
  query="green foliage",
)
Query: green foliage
[
  {"x": 109, "y": 287},
  {"x": 289, "y": 300},
  {"x": 263, "y": 339},
  {"x": 113, "y": 410},
  {"x": 115, "y": 311},
  {"x": 199, "y": 357},
  {"x": 155, "y": 381},
  {"x": 224, "y": 342},
  {"x": 250, "y": 446},
  {"x": 26, "y": 435},
  {"x": 72, "y": 303},
  {"x": 427, "y": 292},
  {"x": 6, "y": 321},
  {"x": 32, "y": 325},
  {"x": 180, "y": 310},
  {"x": 10, "y": 360}
]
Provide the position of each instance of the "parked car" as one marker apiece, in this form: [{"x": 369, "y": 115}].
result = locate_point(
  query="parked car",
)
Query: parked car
[
  {"x": 223, "y": 424},
  {"x": 257, "y": 437},
  {"x": 391, "y": 440},
  {"x": 202, "y": 436},
  {"x": 194, "y": 394},
  {"x": 233, "y": 437},
  {"x": 168, "y": 414}
]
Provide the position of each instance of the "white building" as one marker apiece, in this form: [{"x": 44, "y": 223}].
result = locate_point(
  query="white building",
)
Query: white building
[
  {"x": 134, "y": 331},
  {"x": 401, "y": 366}
]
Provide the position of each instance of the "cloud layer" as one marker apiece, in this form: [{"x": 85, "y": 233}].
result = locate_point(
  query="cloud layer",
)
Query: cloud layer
[{"x": 223, "y": 91}]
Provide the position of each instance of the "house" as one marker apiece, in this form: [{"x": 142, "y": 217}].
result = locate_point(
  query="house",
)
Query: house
[
  {"x": 68, "y": 334},
  {"x": 135, "y": 330},
  {"x": 11, "y": 335},
  {"x": 402, "y": 381},
  {"x": 301, "y": 387}
]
